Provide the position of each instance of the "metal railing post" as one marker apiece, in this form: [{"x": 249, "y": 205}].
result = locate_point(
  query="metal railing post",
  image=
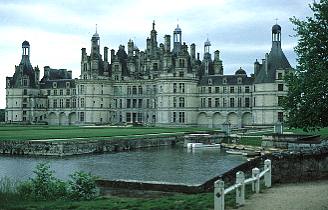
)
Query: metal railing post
[
  {"x": 219, "y": 195},
  {"x": 256, "y": 174},
  {"x": 267, "y": 176},
  {"x": 240, "y": 191}
]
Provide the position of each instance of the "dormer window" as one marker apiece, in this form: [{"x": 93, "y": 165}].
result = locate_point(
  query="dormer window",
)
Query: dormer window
[
  {"x": 54, "y": 84},
  {"x": 209, "y": 82},
  {"x": 67, "y": 85},
  {"x": 224, "y": 81},
  {"x": 239, "y": 80}
]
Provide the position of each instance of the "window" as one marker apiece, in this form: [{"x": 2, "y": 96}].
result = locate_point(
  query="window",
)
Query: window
[
  {"x": 129, "y": 90},
  {"x": 82, "y": 89},
  {"x": 247, "y": 102},
  {"x": 209, "y": 82},
  {"x": 55, "y": 92},
  {"x": 174, "y": 118},
  {"x": 181, "y": 117},
  {"x": 61, "y": 103},
  {"x": 217, "y": 89},
  {"x": 181, "y": 102},
  {"x": 24, "y": 92},
  {"x": 202, "y": 102},
  {"x": 134, "y": 90},
  {"x": 174, "y": 102},
  {"x": 174, "y": 87},
  {"x": 54, "y": 103},
  {"x": 247, "y": 89},
  {"x": 67, "y": 85},
  {"x": 280, "y": 116},
  {"x": 224, "y": 81},
  {"x": 239, "y": 102},
  {"x": 202, "y": 90},
  {"x": 217, "y": 102},
  {"x": 209, "y": 89},
  {"x": 148, "y": 103},
  {"x": 48, "y": 92},
  {"x": 280, "y": 100},
  {"x": 54, "y": 84},
  {"x": 155, "y": 66},
  {"x": 181, "y": 63},
  {"x": 140, "y": 90},
  {"x": 181, "y": 87},
  {"x": 134, "y": 103},
  {"x": 140, "y": 117},
  {"x": 128, "y": 117},
  {"x": 232, "y": 89},
  {"x": 74, "y": 92},
  {"x": 68, "y": 103},
  {"x": 209, "y": 102},
  {"x": 254, "y": 101},
  {"x": 280, "y": 87},
  {"x": 68, "y": 92},
  {"x": 224, "y": 102},
  {"x": 25, "y": 83},
  {"x": 232, "y": 102},
  {"x": 140, "y": 103},
  {"x": 82, "y": 116},
  {"x": 128, "y": 103},
  {"x": 239, "y": 89},
  {"x": 74, "y": 103},
  {"x": 239, "y": 80},
  {"x": 82, "y": 102},
  {"x": 280, "y": 76},
  {"x": 61, "y": 92},
  {"x": 181, "y": 74},
  {"x": 224, "y": 89},
  {"x": 121, "y": 104}
]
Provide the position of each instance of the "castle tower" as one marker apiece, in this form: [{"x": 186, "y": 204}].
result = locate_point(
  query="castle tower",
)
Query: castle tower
[
  {"x": 207, "y": 57},
  {"x": 177, "y": 39}
]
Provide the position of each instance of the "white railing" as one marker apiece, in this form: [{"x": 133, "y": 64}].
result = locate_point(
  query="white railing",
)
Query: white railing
[{"x": 219, "y": 190}]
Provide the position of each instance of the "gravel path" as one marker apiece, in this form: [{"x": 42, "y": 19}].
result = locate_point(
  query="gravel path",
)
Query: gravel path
[{"x": 298, "y": 196}]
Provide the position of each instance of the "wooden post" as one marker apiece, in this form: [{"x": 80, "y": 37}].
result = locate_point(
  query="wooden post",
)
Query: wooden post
[
  {"x": 219, "y": 195},
  {"x": 267, "y": 176},
  {"x": 256, "y": 173},
  {"x": 240, "y": 191}
]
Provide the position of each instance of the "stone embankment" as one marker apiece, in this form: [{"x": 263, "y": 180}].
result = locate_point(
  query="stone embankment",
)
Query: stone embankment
[{"x": 78, "y": 146}]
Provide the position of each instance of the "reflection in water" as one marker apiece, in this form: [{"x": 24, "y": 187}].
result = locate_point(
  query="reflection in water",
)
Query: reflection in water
[{"x": 175, "y": 165}]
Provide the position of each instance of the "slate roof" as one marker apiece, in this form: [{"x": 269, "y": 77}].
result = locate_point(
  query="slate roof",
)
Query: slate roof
[
  {"x": 60, "y": 84},
  {"x": 276, "y": 60},
  {"x": 231, "y": 80}
]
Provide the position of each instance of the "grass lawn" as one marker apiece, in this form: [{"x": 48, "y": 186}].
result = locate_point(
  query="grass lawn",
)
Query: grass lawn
[
  {"x": 251, "y": 141},
  {"x": 67, "y": 132}
]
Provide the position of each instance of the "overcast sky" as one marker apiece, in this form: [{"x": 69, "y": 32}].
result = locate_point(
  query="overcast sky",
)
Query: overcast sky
[{"x": 58, "y": 29}]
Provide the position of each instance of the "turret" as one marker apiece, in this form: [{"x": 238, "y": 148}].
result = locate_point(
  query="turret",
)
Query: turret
[
  {"x": 177, "y": 39},
  {"x": 106, "y": 54},
  {"x": 193, "y": 51},
  {"x": 167, "y": 43},
  {"x": 256, "y": 67}
]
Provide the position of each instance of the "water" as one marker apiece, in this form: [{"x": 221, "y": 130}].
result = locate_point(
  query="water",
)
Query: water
[{"x": 165, "y": 164}]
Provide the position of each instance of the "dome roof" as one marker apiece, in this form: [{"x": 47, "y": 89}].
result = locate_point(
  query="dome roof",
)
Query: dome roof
[
  {"x": 240, "y": 71},
  {"x": 207, "y": 43},
  {"x": 177, "y": 29},
  {"x": 25, "y": 44},
  {"x": 276, "y": 29}
]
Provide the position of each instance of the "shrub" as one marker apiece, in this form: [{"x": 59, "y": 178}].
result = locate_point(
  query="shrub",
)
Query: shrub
[
  {"x": 44, "y": 186},
  {"x": 82, "y": 186}
]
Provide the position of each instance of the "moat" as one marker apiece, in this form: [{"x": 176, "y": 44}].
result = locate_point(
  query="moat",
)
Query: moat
[{"x": 163, "y": 164}]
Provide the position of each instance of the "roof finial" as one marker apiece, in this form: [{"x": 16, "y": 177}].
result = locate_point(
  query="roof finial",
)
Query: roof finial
[
  {"x": 153, "y": 24},
  {"x": 96, "y": 28},
  {"x": 276, "y": 20},
  {"x": 177, "y": 22}
]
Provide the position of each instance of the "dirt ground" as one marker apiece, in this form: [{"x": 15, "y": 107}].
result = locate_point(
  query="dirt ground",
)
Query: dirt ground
[{"x": 298, "y": 196}]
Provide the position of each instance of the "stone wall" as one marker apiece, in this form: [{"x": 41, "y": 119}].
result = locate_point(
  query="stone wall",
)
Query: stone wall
[{"x": 78, "y": 147}]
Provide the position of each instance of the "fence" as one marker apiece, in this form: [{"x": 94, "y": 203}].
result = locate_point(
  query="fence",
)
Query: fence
[{"x": 219, "y": 190}]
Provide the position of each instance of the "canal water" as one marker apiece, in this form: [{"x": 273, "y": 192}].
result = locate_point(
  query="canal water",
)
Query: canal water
[{"x": 163, "y": 164}]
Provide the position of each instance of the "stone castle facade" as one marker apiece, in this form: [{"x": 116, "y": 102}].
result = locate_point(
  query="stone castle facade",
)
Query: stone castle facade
[{"x": 167, "y": 84}]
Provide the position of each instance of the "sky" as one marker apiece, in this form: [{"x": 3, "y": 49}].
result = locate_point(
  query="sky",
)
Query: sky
[{"x": 58, "y": 29}]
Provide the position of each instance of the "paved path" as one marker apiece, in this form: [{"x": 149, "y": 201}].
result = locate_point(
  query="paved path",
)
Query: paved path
[{"x": 302, "y": 196}]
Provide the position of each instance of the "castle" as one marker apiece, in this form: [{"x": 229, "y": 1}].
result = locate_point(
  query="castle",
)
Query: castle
[{"x": 164, "y": 85}]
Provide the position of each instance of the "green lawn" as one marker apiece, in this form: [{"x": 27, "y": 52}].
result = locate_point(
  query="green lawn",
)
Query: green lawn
[
  {"x": 49, "y": 132},
  {"x": 251, "y": 141}
]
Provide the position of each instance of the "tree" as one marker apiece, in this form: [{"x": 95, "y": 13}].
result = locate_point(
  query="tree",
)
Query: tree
[{"x": 307, "y": 100}]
